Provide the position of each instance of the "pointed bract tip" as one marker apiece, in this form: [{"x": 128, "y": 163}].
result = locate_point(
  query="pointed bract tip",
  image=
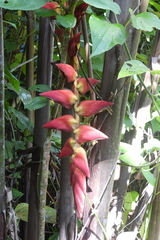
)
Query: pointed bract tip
[
  {"x": 85, "y": 133},
  {"x": 67, "y": 123},
  {"x": 68, "y": 148},
  {"x": 89, "y": 107},
  {"x": 64, "y": 96},
  {"x": 83, "y": 86},
  {"x": 68, "y": 71}
]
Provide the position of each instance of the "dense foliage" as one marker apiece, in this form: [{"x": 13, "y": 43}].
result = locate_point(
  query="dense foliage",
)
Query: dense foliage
[{"x": 135, "y": 185}]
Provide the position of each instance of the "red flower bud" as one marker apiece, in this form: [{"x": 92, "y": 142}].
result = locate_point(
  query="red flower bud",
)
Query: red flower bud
[
  {"x": 53, "y": 6},
  {"x": 64, "y": 96},
  {"x": 83, "y": 86},
  {"x": 80, "y": 161},
  {"x": 67, "y": 71},
  {"x": 89, "y": 107},
  {"x": 85, "y": 133},
  {"x": 79, "y": 12},
  {"x": 74, "y": 45},
  {"x": 67, "y": 123}
]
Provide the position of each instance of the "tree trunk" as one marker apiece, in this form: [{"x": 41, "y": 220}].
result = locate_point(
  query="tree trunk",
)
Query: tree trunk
[
  {"x": 105, "y": 153},
  {"x": 44, "y": 76},
  {"x": 2, "y": 135}
]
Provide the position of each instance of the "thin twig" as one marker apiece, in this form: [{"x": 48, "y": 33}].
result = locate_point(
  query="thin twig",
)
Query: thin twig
[{"x": 24, "y": 63}]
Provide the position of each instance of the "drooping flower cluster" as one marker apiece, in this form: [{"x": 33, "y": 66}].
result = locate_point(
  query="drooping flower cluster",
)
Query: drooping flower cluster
[{"x": 79, "y": 169}]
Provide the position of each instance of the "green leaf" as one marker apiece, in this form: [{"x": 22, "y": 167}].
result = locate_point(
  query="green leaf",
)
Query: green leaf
[
  {"x": 132, "y": 67},
  {"x": 10, "y": 46},
  {"x": 98, "y": 62},
  {"x": 8, "y": 150},
  {"x": 156, "y": 5},
  {"x": 145, "y": 21},
  {"x": 153, "y": 72},
  {"x": 125, "y": 147},
  {"x": 105, "y": 35},
  {"x": 132, "y": 158},
  {"x": 103, "y": 4},
  {"x": 10, "y": 23},
  {"x": 22, "y": 5},
  {"x": 24, "y": 95},
  {"x": 16, "y": 193},
  {"x": 12, "y": 79},
  {"x": 37, "y": 102},
  {"x": 19, "y": 57},
  {"x": 130, "y": 199},
  {"x": 25, "y": 122},
  {"x": 50, "y": 215},
  {"x": 67, "y": 21},
  {"x": 43, "y": 12},
  {"x": 21, "y": 211},
  {"x": 40, "y": 88},
  {"x": 149, "y": 177}
]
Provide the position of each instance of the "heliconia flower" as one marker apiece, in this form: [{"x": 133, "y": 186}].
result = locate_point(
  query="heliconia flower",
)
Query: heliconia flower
[
  {"x": 79, "y": 12},
  {"x": 79, "y": 196},
  {"x": 68, "y": 148},
  {"x": 64, "y": 96},
  {"x": 53, "y": 6},
  {"x": 85, "y": 133},
  {"x": 74, "y": 45},
  {"x": 80, "y": 161},
  {"x": 89, "y": 107},
  {"x": 67, "y": 123},
  {"x": 67, "y": 71},
  {"x": 83, "y": 86}
]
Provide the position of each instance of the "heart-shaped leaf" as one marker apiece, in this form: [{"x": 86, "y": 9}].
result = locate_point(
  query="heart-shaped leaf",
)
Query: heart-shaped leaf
[
  {"x": 67, "y": 21},
  {"x": 145, "y": 21},
  {"x": 105, "y": 35},
  {"x": 103, "y": 4},
  {"x": 132, "y": 67}
]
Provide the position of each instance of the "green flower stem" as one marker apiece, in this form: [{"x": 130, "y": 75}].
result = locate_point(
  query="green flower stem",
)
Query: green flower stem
[{"x": 97, "y": 218}]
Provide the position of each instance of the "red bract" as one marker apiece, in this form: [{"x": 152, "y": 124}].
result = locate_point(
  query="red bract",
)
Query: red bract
[
  {"x": 83, "y": 86},
  {"x": 64, "y": 96},
  {"x": 53, "y": 6},
  {"x": 67, "y": 149},
  {"x": 79, "y": 12},
  {"x": 85, "y": 133},
  {"x": 89, "y": 107},
  {"x": 67, "y": 123},
  {"x": 74, "y": 45},
  {"x": 80, "y": 161},
  {"x": 67, "y": 71},
  {"x": 79, "y": 188}
]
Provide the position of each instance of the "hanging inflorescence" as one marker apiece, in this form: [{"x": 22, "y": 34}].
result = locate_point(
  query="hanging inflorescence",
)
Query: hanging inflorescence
[{"x": 79, "y": 169}]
